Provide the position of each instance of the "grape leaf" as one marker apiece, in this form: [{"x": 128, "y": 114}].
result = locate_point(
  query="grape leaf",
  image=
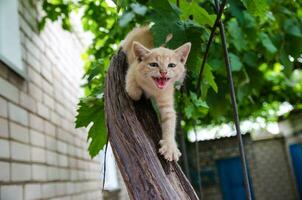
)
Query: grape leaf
[
  {"x": 256, "y": 7},
  {"x": 195, "y": 11},
  {"x": 236, "y": 35},
  {"x": 235, "y": 62},
  {"x": 208, "y": 75},
  {"x": 267, "y": 43},
  {"x": 91, "y": 112}
]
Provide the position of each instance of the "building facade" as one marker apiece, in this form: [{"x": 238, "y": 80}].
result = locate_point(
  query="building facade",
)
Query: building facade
[
  {"x": 274, "y": 165},
  {"x": 42, "y": 155}
]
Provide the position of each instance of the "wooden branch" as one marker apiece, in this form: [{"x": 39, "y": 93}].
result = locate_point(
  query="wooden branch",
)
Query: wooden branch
[{"x": 134, "y": 135}]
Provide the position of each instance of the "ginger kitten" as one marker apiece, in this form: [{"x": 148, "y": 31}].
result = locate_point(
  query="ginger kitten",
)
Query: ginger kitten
[{"x": 153, "y": 72}]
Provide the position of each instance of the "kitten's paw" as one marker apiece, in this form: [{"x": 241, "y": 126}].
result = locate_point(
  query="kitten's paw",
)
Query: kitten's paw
[
  {"x": 134, "y": 95},
  {"x": 169, "y": 150}
]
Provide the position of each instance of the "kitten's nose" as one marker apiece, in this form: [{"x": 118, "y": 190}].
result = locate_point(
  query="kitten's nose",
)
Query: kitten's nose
[{"x": 163, "y": 73}]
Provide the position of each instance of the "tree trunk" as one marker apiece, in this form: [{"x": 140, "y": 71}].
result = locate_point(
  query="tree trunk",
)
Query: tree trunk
[{"x": 134, "y": 133}]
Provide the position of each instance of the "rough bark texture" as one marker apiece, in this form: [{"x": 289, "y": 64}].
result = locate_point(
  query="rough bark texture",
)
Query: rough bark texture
[{"x": 134, "y": 135}]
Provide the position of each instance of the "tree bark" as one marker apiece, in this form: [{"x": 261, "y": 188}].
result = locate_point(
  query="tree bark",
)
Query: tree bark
[{"x": 134, "y": 134}]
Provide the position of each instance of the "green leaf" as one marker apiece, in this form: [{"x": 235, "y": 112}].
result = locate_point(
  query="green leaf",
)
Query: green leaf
[
  {"x": 97, "y": 134},
  {"x": 235, "y": 62},
  {"x": 208, "y": 75},
  {"x": 267, "y": 43},
  {"x": 292, "y": 27},
  {"x": 195, "y": 11},
  {"x": 91, "y": 111},
  {"x": 86, "y": 113},
  {"x": 167, "y": 21},
  {"x": 189, "y": 111},
  {"x": 236, "y": 35},
  {"x": 256, "y": 7}
]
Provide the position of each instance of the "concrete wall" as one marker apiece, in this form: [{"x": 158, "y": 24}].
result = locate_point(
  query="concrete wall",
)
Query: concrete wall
[
  {"x": 271, "y": 173},
  {"x": 268, "y": 166},
  {"x": 42, "y": 155}
]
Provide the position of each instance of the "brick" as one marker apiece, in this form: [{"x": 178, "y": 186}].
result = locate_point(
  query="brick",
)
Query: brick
[
  {"x": 3, "y": 128},
  {"x": 11, "y": 192},
  {"x": 19, "y": 132},
  {"x": 31, "y": 47},
  {"x": 40, "y": 44},
  {"x": 34, "y": 76},
  {"x": 49, "y": 128},
  {"x": 38, "y": 154},
  {"x": 37, "y": 138},
  {"x": 46, "y": 73},
  {"x": 36, "y": 122},
  {"x": 64, "y": 174},
  {"x": 63, "y": 161},
  {"x": 43, "y": 111},
  {"x": 35, "y": 92},
  {"x": 3, "y": 107},
  {"x": 61, "y": 189},
  {"x": 34, "y": 62},
  {"x": 48, "y": 190},
  {"x": 47, "y": 87},
  {"x": 25, "y": 27},
  {"x": 20, "y": 151},
  {"x": 39, "y": 172},
  {"x": 62, "y": 147},
  {"x": 8, "y": 91},
  {"x": 51, "y": 143},
  {"x": 21, "y": 172},
  {"x": 4, "y": 171},
  {"x": 32, "y": 191},
  {"x": 18, "y": 114},
  {"x": 48, "y": 101},
  {"x": 51, "y": 158},
  {"x": 55, "y": 118},
  {"x": 53, "y": 173},
  {"x": 28, "y": 102},
  {"x": 4, "y": 149}
]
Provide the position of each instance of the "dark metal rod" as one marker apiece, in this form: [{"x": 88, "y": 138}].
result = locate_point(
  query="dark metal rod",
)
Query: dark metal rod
[
  {"x": 198, "y": 163},
  {"x": 183, "y": 146},
  {"x": 235, "y": 109},
  {"x": 205, "y": 56}
]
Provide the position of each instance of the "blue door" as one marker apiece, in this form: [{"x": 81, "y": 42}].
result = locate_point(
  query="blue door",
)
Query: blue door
[
  {"x": 296, "y": 153},
  {"x": 231, "y": 179}
]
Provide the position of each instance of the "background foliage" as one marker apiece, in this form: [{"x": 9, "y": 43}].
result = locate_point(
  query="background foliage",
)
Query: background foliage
[{"x": 264, "y": 40}]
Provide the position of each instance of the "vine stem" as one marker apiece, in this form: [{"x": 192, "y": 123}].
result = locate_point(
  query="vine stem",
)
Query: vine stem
[
  {"x": 234, "y": 105},
  {"x": 211, "y": 38}
]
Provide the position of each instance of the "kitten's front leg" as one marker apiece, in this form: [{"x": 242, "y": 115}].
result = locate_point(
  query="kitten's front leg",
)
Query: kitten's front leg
[
  {"x": 132, "y": 88},
  {"x": 168, "y": 144}
]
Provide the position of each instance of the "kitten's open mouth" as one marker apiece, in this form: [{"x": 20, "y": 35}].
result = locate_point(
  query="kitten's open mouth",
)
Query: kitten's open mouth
[{"x": 161, "y": 81}]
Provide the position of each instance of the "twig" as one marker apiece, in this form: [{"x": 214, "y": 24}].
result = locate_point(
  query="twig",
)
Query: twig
[
  {"x": 212, "y": 35},
  {"x": 234, "y": 105}
]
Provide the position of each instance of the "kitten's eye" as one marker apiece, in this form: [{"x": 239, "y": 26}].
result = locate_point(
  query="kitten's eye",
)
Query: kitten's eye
[
  {"x": 153, "y": 64},
  {"x": 172, "y": 65}
]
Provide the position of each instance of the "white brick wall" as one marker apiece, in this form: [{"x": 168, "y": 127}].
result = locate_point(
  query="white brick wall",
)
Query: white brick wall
[
  {"x": 4, "y": 149},
  {"x": 5, "y": 171},
  {"x": 11, "y": 192},
  {"x": 42, "y": 155}
]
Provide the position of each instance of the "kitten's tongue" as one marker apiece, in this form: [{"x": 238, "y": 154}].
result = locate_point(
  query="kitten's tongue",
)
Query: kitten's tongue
[{"x": 161, "y": 82}]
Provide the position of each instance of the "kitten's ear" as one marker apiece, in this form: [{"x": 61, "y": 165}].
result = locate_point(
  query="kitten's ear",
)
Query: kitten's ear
[
  {"x": 139, "y": 50},
  {"x": 183, "y": 52}
]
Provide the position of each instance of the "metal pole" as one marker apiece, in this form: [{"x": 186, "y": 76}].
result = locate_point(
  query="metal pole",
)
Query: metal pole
[{"x": 235, "y": 109}]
